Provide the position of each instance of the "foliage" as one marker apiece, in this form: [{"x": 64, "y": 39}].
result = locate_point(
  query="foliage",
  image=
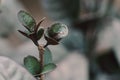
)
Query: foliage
[{"x": 34, "y": 32}]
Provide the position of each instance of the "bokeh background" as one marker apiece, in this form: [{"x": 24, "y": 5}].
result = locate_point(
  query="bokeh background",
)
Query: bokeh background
[{"x": 91, "y": 51}]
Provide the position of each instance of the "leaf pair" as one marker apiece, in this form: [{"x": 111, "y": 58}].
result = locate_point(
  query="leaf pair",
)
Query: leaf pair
[
  {"x": 34, "y": 33},
  {"x": 32, "y": 64}
]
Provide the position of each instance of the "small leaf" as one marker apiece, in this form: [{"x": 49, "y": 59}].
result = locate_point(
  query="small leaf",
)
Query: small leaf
[
  {"x": 27, "y": 20},
  {"x": 40, "y": 33},
  {"x": 50, "y": 40},
  {"x": 47, "y": 56},
  {"x": 23, "y": 33},
  {"x": 32, "y": 65},
  {"x": 48, "y": 68},
  {"x": 38, "y": 25}
]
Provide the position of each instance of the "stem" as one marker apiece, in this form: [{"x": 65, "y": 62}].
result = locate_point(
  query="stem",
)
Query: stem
[{"x": 41, "y": 52}]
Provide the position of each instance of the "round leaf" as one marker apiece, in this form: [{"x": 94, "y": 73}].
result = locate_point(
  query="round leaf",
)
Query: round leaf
[
  {"x": 47, "y": 56},
  {"x": 27, "y": 20},
  {"x": 32, "y": 65},
  {"x": 48, "y": 68}
]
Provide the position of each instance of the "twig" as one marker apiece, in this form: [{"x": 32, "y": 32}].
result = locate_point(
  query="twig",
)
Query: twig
[{"x": 41, "y": 52}]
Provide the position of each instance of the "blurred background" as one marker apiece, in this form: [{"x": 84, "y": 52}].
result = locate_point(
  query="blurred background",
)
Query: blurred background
[{"x": 91, "y": 51}]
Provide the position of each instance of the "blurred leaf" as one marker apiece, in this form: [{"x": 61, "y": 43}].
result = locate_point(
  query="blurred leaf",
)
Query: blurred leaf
[
  {"x": 62, "y": 9},
  {"x": 75, "y": 41},
  {"x": 48, "y": 68},
  {"x": 27, "y": 20},
  {"x": 47, "y": 56},
  {"x": 40, "y": 33},
  {"x": 32, "y": 65},
  {"x": 13, "y": 70}
]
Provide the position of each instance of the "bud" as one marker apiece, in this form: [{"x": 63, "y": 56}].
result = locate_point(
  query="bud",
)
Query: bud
[{"x": 58, "y": 31}]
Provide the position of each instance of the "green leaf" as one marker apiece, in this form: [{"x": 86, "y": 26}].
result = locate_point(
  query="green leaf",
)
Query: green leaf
[
  {"x": 32, "y": 65},
  {"x": 27, "y": 20},
  {"x": 47, "y": 56},
  {"x": 40, "y": 33},
  {"x": 48, "y": 68}
]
